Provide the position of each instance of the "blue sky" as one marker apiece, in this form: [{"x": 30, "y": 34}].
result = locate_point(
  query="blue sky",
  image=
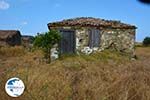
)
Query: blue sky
[{"x": 32, "y": 16}]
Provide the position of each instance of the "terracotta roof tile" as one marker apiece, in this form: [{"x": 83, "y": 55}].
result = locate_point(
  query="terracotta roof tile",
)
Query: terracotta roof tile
[
  {"x": 8, "y": 33},
  {"x": 90, "y": 21}
]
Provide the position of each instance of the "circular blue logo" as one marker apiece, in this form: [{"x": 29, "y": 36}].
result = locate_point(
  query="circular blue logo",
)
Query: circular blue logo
[{"x": 14, "y": 87}]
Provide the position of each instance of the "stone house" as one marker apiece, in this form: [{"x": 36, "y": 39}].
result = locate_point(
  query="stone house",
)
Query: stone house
[
  {"x": 27, "y": 40},
  {"x": 87, "y": 35},
  {"x": 10, "y": 38}
]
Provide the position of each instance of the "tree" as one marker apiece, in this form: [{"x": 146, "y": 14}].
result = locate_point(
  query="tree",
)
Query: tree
[
  {"x": 146, "y": 41},
  {"x": 46, "y": 41},
  {"x": 145, "y": 1}
]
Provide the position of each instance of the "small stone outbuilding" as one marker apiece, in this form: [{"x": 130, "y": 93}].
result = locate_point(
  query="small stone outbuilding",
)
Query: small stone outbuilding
[
  {"x": 10, "y": 38},
  {"x": 27, "y": 40},
  {"x": 87, "y": 34}
]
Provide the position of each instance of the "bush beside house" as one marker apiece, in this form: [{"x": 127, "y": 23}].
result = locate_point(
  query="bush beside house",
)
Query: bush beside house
[
  {"x": 146, "y": 41},
  {"x": 46, "y": 41}
]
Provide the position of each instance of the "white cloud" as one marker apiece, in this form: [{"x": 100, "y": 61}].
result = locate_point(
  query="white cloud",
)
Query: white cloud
[
  {"x": 4, "y": 5},
  {"x": 24, "y": 23}
]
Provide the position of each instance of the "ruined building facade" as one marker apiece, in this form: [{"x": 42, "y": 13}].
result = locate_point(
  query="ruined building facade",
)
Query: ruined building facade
[{"x": 87, "y": 34}]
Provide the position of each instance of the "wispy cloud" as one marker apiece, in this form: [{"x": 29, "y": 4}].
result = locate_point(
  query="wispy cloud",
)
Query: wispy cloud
[
  {"x": 24, "y": 23},
  {"x": 4, "y": 5}
]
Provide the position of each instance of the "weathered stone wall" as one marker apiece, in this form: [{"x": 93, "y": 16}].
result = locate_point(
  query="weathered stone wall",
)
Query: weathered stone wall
[
  {"x": 11, "y": 41},
  {"x": 82, "y": 38},
  {"x": 119, "y": 39},
  {"x": 3, "y": 43}
]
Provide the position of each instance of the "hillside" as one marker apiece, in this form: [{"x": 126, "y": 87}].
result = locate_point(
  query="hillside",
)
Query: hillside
[{"x": 101, "y": 76}]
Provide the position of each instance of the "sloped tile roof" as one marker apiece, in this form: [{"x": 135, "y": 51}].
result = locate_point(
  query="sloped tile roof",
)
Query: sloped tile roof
[
  {"x": 8, "y": 33},
  {"x": 90, "y": 21},
  {"x": 27, "y": 37}
]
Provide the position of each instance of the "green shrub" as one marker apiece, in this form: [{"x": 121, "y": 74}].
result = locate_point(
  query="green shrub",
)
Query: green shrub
[
  {"x": 146, "y": 41},
  {"x": 46, "y": 41}
]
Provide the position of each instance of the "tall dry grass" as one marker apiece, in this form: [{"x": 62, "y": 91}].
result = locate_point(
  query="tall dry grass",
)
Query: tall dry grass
[
  {"x": 101, "y": 76},
  {"x": 11, "y": 51}
]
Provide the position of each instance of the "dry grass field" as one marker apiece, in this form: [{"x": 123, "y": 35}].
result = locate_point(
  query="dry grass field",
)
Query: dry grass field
[{"x": 101, "y": 76}]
